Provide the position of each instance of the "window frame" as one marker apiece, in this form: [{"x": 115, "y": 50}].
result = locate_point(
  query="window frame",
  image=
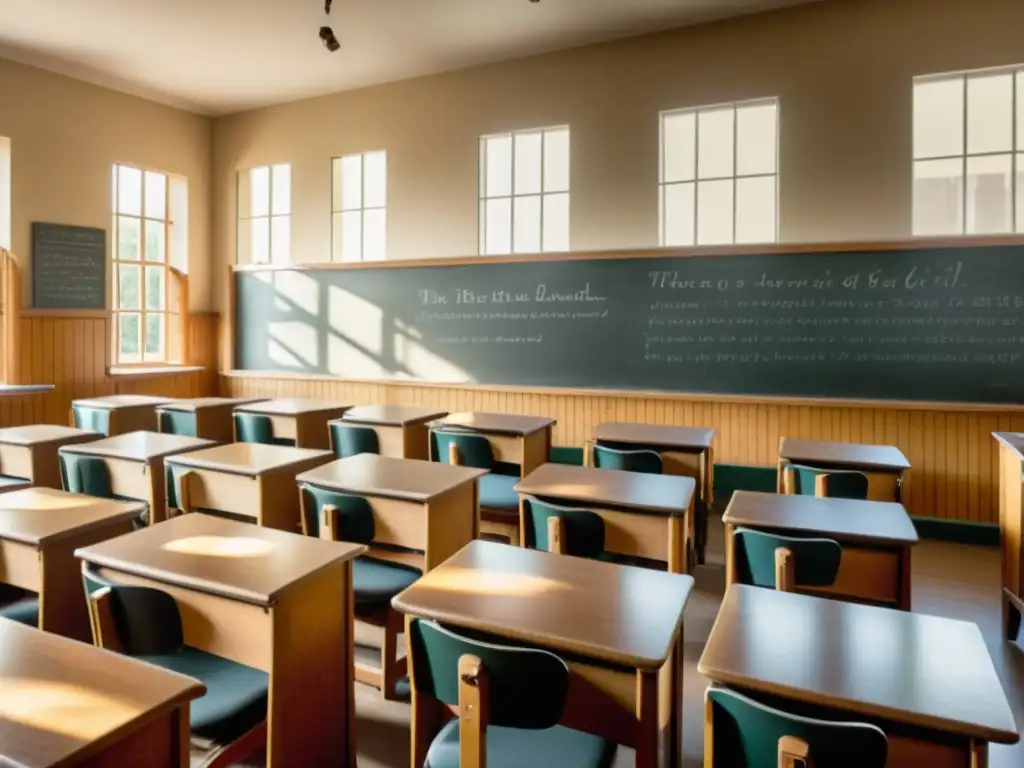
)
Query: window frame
[
  {"x": 241, "y": 221},
  {"x": 337, "y": 207},
  {"x": 736, "y": 176}
]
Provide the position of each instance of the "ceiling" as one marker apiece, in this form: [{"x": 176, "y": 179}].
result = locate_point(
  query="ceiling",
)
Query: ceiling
[{"x": 221, "y": 56}]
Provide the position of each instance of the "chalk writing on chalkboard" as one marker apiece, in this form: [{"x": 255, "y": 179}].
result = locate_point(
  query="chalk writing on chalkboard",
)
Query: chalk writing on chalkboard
[{"x": 69, "y": 267}]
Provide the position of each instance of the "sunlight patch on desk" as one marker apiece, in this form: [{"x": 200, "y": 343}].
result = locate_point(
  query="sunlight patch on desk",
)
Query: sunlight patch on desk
[
  {"x": 355, "y": 342},
  {"x": 220, "y": 546},
  {"x": 63, "y": 709},
  {"x": 485, "y": 582},
  {"x": 44, "y": 498}
]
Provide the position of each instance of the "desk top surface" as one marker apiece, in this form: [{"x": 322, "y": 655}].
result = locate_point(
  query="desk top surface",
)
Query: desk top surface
[
  {"x": 852, "y": 455},
  {"x": 392, "y": 415},
  {"x": 407, "y": 479},
  {"x": 619, "y": 614},
  {"x": 657, "y": 435},
  {"x": 194, "y": 404},
  {"x": 845, "y": 519},
  {"x": 248, "y": 458},
  {"x": 1014, "y": 440},
  {"x": 39, "y": 434},
  {"x": 222, "y": 557},
  {"x": 292, "y": 406},
  {"x": 910, "y": 668},
  {"x": 668, "y": 495},
  {"x": 38, "y": 516},
  {"x": 113, "y": 402},
  {"x": 62, "y": 701},
  {"x": 498, "y": 423},
  {"x": 138, "y": 446}
]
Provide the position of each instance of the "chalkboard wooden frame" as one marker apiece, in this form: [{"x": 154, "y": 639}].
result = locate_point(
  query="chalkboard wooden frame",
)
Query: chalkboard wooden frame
[{"x": 646, "y": 253}]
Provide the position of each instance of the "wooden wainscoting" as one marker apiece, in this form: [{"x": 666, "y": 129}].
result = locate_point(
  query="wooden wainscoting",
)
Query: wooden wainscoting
[
  {"x": 954, "y": 457},
  {"x": 71, "y": 350}
]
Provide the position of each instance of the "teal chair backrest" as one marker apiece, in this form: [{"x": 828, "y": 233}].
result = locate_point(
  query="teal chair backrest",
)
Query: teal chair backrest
[
  {"x": 352, "y": 440},
  {"x": 93, "y": 419},
  {"x": 584, "y": 530},
  {"x": 842, "y": 483},
  {"x": 354, "y": 512},
  {"x": 638, "y": 460},
  {"x": 147, "y": 620},
  {"x": 85, "y": 474},
  {"x": 746, "y": 734},
  {"x": 178, "y": 423},
  {"x": 816, "y": 561},
  {"x": 253, "y": 428},
  {"x": 474, "y": 450},
  {"x": 528, "y": 687}
]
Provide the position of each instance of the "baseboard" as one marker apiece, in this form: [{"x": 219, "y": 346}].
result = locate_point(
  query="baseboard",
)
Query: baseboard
[{"x": 958, "y": 531}]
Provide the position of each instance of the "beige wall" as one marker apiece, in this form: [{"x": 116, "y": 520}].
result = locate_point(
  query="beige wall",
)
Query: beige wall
[
  {"x": 66, "y": 134},
  {"x": 842, "y": 70}
]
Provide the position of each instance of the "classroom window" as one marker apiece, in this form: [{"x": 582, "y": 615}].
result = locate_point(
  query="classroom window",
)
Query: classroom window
[
  {"x": 359, "y": 185},
  {"x": 149, "y": 236},
  {"x": 968, "y": 143},
  {"x": 264, "y": 215},
  {"x": 524, "y": 191},
  {"x": 718, "y": 174}
]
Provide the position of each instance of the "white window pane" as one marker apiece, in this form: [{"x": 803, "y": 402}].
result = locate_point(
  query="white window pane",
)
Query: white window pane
[
  {"x": 259, "y": 191},
  {"x": 156, "y": 195},
  {"x": 5, "y": 151},
  {"x": 154, "y": 337},
  {"x": 498, "y": 226},
  {"x": 281, "y": 239},
  {"x": 129, "y": 287},
  {"x": 714, "y": 212},
  {"x": 1020, "y": 111},
  {"x": 756, "y": 142},
  {"x": 939, "y": 118},
  {"x": 129, "y": 327},
  {"x": 337, "y": 233},
  {"x": 556, "y": 160},
  {"x": 528, "y": 163},
  {"x": 556, "y": 222},
  {"x": 259, "y": 240},
  {"x": 375, "y": 179},
  {"x": 351, "y": 182},
  {"x": 989, "y": 195},
  {"x": 679, "y": 214},
  {"x": 715, "y": 143},
  {"x": 990, "y": 113},
  {"x": 755, "y": 210},
  {"x": 281, "y": 187},
  {"x": 678, "y": 146},
  {"x": 526, "y": 224},
  {"x": 129, "y": 190},
  {"x": 337, "y": 163},
  {"x": 352, "y": 236},
  {"x": 938, "y": 197},
  {"x": 498, "y": 166},
  {"x": 374, "y": 235},
  {"x": 1020, "y": 192}
]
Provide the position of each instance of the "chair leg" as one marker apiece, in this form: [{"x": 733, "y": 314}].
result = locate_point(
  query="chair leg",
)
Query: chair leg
[
  {"x": 391, "y": 668},
  {"x": 239, "y": 749},
  {"x": 494, "y": 529}
]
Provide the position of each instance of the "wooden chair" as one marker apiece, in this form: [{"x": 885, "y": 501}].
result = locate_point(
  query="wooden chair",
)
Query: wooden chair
[
  {"x": 508, "y": 701},
  {"x": 92, "y": 419},
  {"x": 641, "y": 460},
  {"x": 91, "y": 476},
  {"x": 352, "y": 440},
  {"x": 256, "y": 428},
  {"x": 375, "y": 579},
  {"x": 825, "y": 483},
  {"x": 783, "y": 562},
  {"x": 499, "y": 502},
  {"x": 177, "y": 423},
  {"x": 563, "y": 530},
  {"x": 145, "y": 623},
  {"x": 739, "y": 731}
]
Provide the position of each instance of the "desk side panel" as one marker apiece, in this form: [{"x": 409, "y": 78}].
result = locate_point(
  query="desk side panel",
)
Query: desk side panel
[{"x": 1011, "y": 515}]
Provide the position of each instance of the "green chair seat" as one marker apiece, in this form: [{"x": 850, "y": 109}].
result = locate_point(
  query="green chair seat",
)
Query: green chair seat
[
  {"x": 92, "y": 419},
  {"x": 497, "y": 492},
  {"x": 8, "y": 480},
  {"x": 555, "y": 747},
  {"x": 236, "y": 695},
  {"x": 352, "y": 440},
  {"x": 816, "y": 561},
  {"x": 23, "y": 611},
  {"x": 375, "y": 582},
  {"x": 584, "y": 529},
  {"x": 641, "y": 460},
  {"x": 178, "y": 423}
]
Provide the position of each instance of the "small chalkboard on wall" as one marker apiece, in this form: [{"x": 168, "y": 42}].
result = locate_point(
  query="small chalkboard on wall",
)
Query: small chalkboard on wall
[{"x": 69, "y": 267}]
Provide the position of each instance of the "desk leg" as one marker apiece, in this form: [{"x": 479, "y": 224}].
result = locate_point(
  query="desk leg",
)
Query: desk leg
[
  {"x": 647, "y": 720},
  {"x": 680, "y": 543},
  {"x": 670, "y": 685},
  {"x": 979, "y": 754},
  {"x": 904, "y": 576},
  {"x": 730, "y": 556}
]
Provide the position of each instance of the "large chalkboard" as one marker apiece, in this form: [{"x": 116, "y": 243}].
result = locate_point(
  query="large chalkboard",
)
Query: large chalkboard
[
  {"x": 69, "y": 267},
  {"x": 940, "y": 324}
]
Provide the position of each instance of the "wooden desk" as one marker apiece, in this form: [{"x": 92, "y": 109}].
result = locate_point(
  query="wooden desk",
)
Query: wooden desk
[
  {"x": 301, "y": 419},
  {"x": 126, "y": 413},
  {"x": 64, "y": 703},
  {"x": 40, "y": 528},
  {"x": 1011, "y": 528},
  {"x": 206, "y": 417},
  {"x": 249, "y": 479},
  {"x": 646, "y": 516},
  {"x": 876, "y": 538},
  {"x": 31, "y": 451},
  {"x": 522, "y": 440},
  {"x": 685, "y": 451},
  {"x": 402, "y": 430},
  {"x": 928, "y": 682},
  {"x": 884, "y": 465},
  {"x": 272, "y": 600},
  {"x": 135, "y": 461},
  {"x": 417, "y": 505},
  {"x": 620, "y": 629}
]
